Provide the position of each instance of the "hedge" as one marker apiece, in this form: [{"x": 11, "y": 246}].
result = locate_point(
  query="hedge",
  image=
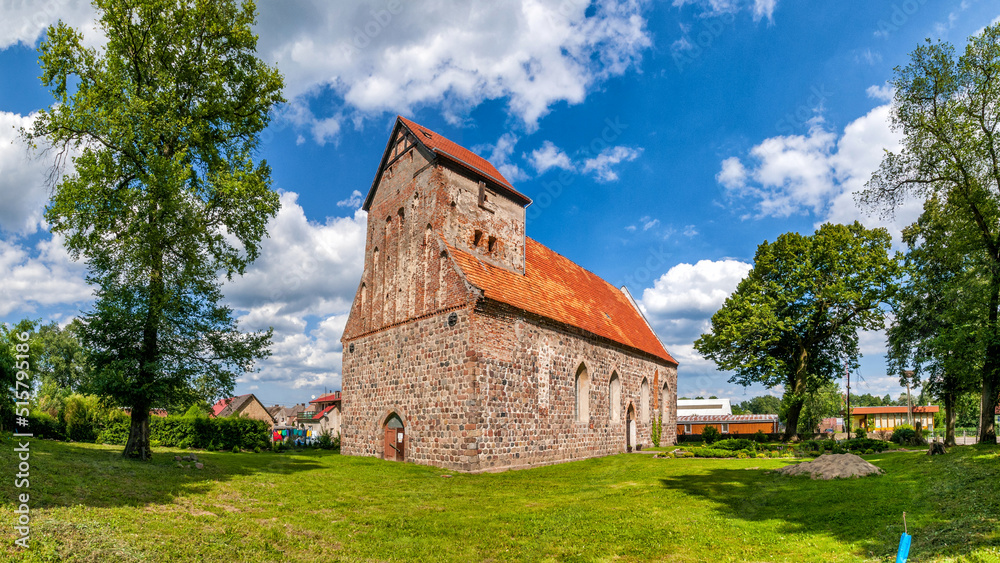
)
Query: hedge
[{"x": 193, "y": 432}]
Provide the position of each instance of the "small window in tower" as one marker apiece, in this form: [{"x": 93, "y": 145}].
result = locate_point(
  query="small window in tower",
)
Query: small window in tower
[
  {"x": 491, "y": 244},
  {"x": 477, "y": 236}
]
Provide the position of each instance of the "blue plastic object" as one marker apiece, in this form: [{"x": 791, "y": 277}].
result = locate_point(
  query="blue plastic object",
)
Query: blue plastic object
[{"x": 904, "y": 548}]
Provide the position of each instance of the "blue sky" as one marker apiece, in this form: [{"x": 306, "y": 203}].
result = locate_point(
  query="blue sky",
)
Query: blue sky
[{"x": 661, "y": 143}]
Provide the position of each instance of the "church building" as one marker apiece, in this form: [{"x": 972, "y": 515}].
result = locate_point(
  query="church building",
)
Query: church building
[{"x": 472, "y": 347}]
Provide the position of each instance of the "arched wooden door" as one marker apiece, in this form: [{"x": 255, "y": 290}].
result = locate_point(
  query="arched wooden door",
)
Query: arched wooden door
[{"x": 395, "y": 438}]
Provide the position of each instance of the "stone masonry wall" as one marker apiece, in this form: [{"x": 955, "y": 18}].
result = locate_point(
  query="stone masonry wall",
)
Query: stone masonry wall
[
  {"x": 527, "y": 375},
  {"x": 424, "y": 372}
]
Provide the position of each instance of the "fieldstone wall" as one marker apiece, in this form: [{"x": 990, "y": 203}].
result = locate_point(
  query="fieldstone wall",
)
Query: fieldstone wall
[
  {"x": 527, "y": 372},
  {"x": 424, "y": 372}
]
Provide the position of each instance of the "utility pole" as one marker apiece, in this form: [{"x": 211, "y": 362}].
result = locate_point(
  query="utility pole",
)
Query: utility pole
[{"x": 847, "y": 418}]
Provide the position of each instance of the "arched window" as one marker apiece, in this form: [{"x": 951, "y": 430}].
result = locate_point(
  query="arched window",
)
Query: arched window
[
  {"x": 615, "y": 398},
  {"x": 644, "y": 400},
  {"x": 582, "y": 392}
]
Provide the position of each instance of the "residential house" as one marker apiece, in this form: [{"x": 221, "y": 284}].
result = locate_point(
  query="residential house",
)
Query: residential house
[{"x": 244, "y": 405}]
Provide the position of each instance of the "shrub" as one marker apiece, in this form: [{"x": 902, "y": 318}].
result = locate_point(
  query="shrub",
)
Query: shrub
[
  {"x": 710, "y": 434},
  {"x": 861, "y": 433},
  {"x": 654, "y": 433},
  {"x": 256, "y": 450},
  {"x": 904, "y": 434},
  {"x": 857, "y": 445},
  {"x": 236, "y": 449},
  {"x": 742, "y": 454},
  {"x": 734, "y": 444},
  {"x": 45, "y": 425},
  {"x": 760, "y": 437}
]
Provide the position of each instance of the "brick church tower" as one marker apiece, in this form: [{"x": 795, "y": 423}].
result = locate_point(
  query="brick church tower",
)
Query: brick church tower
[{"x": 472, "y": 347}]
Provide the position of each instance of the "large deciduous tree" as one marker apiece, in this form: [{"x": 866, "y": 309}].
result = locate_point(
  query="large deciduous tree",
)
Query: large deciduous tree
[
  {"x": 947, "y": 109},
  {"x": 166, "y": 196},
  {"x": 938, "y": 322},
  {"x": 794, "y": 320}
]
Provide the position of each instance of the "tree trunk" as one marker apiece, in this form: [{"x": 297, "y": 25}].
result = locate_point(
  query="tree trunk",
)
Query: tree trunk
[
  {"x": 950, "y": 415},
  {"x": 792, "y": 418},
  {"x": 137, "y": 446},
  {"x": 991, "y": 368}
]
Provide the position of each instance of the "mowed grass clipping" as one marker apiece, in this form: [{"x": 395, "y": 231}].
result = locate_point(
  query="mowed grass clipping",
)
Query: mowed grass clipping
[{"x": 89, "y": 504}]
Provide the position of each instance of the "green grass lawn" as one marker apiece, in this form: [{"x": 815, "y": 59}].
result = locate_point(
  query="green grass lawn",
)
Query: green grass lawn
[{"x": 91, "y": 505}]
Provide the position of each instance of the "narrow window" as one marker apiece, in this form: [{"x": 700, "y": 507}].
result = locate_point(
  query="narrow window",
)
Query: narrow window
[
  {"x": 687, "y": 428},
  {"x": 492, "y": 243},
  {"x": 582, "y": 392},
  {"x": 725, "y": 429},
  {"x": 615, "y": 398},
  {"x": 477, "y": 236}
]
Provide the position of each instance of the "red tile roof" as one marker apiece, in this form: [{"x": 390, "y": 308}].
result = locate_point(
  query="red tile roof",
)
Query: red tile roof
[
  {"x": 891, "y": 410},
  {"x": 689, "y": 418},
  {"x": 334, "y": 396},
  {"x": 320, "y": 414},
  {"x": 442, "y": 145},
  {"x": 556, "y": 288}
]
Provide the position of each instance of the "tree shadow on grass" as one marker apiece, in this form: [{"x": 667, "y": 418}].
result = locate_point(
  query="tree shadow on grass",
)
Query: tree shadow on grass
[
  {"x": 70, "y": 474},
  {"x": 864, "y": 512}
]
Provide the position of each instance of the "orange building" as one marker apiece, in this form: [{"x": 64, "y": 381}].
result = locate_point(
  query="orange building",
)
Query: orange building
[
  {"x": 694, "y": 424},
  {"x": 887, "y": 418}
]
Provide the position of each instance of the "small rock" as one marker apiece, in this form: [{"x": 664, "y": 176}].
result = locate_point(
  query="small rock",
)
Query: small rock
[
  {"x": 194, "y": 457},
  {"x": 186, "y": 458},
  {"x": 177, "y": 458},
  {"x": 199, "y": 466},
  {"x": 179, "y": 464}
]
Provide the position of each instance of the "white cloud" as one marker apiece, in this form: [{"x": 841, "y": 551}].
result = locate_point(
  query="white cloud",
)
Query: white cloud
[
  {"x": 353, "y": 202},
  {"x": 24, "y": 22},
  {"x": 648, "y": 223},
  {"x": 44, "y": 277},
  {"x": 883, "y": 93},
  {"x": 820, "y": 172},
  {"x": 680, "y": 306},
  {"x": 397, "y": 56},
  {"x": 602, "y": 164},
  {"x": 764, "y": 9},
  {"x": 499, "y": 154},
  {"x": 22, "y": 178},
  {"x": 760, "y": 9},
  {"x": 302, "y": 284},
  {"x": 549, "y": 156},
  {"x": 733, "y": 175}
]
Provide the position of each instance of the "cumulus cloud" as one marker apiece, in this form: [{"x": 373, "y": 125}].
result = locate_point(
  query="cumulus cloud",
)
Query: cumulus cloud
[
  {"x": 819, "y": 172},
  {"x": 549, "y": 156},
  {"x": 602, "y": 165},
  {"x": 680, "y": 305},
  {"x": 302, "y": 284},
  {"x": 22, "y": 178},
  {"x": 353, "y": 202},
  {"x": 24, "y": 22},
  {"x": 397, "y": 56},
  {"x": 45, "y": 276},
  {"x": 499, "y": 153}
]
